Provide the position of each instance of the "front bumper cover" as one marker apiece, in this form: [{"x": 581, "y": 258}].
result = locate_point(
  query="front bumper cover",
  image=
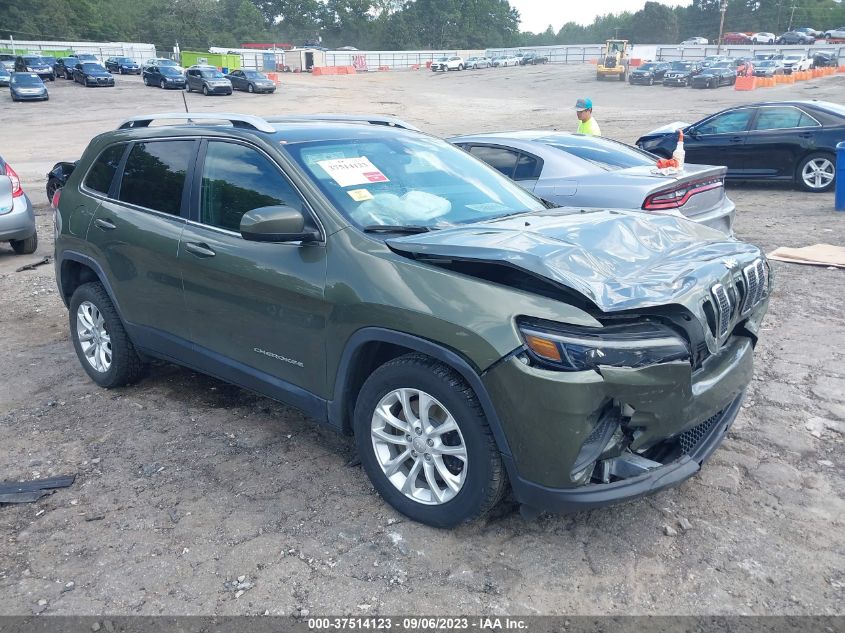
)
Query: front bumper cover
[{"x": 598, "y": 495}]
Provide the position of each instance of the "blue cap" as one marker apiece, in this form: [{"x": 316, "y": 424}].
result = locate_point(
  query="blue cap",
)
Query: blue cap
[{"x": 584, "y": 104}]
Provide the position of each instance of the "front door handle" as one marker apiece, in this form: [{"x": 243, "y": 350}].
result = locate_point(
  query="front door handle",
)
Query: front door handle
[
  {"x": 199, "y": 249},
  {"x": 105, "y": 224},
  {"x": 737, "y": 139}
]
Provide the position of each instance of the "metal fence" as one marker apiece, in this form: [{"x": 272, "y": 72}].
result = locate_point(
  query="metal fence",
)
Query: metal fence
[
  {"x": 580, "y": 54},
  {"x": 697, "y": 53},
  {"x": 137, "y": 51},
  {"x": 392, "y": 59}
]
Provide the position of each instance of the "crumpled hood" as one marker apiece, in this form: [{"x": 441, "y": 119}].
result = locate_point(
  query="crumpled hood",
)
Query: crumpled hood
[
  {"x": 671, "y": 127},
  {"x": 619, "y": 260}
]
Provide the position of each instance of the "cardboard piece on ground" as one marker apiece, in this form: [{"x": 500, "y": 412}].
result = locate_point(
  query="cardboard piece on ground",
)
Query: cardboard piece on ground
[{"x": 816, "y": 255}]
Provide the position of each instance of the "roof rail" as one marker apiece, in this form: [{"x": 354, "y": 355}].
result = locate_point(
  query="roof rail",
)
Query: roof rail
[
  {"x": 372, "y": 119},
  {"x": 244, "y": 121}
]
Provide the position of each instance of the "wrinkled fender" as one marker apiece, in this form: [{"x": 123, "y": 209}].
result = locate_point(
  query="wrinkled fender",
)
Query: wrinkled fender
[{"x": 339, "y": 413}]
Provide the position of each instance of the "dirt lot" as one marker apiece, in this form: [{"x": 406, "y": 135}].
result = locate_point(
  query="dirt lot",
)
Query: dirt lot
[{"x": 184, "y": 483}]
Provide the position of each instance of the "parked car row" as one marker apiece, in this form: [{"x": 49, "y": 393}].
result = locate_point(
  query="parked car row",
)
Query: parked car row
[{"x": 455, "y": 62}]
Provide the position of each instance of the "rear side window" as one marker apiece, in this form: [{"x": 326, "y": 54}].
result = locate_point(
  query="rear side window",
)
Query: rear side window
[
  {"x": 497, "y": 157},
  {"x": 154, "y": 176},
  {"x": 102, "y": 172},
  {"x": 237, "y": 179},
  {"x": 782, "y": 118}
]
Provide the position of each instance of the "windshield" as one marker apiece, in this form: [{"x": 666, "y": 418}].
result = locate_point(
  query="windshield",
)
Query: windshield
[
  {"x": 169, "y": 71},
  {"x": 26, "y": 79},
  {"x": 167, "y": 62},
  {"x": 442, "y": 59},
  {"x": 609, "y": 155},
  {"x": 721, "y": 66},
  {"x": 124, "y": 60},
  {"x": 212, "y": 74},
  {"x": 409, "y": 180},
  {"x": 48, "y": 60},
  {"x": 92, "y": 68},
  {"x": 793, "y": 58},
  {"x": 648, "y": 67},
  {"x": 87, "y": 56},
  {"x": 33, "y": 61},
  {"x": 681, "y": 65}
]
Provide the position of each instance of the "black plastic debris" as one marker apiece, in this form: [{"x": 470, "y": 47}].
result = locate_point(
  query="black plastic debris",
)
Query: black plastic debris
[
  {"x": 29, "y": 491},
  {"x": 34, "y": 265}
]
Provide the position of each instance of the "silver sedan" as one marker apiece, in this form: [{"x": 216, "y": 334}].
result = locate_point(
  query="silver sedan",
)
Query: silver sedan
[
  {"x": 17, "y": 218},
  {"x": 577, "y": 170}
]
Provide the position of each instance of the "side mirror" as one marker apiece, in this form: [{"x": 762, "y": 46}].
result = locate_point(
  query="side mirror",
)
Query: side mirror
[{"x": 276, "y": 224}]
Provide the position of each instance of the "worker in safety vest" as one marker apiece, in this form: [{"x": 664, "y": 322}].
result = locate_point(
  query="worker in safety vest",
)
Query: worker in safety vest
[{"x": 587, "y": 124}]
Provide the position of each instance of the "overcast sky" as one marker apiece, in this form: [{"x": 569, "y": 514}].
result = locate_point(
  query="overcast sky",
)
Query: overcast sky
[{"x": 538, "y": 14}]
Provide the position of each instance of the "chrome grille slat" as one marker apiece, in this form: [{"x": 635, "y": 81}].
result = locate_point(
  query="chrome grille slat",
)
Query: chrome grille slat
[{"x": 723, "y": 308}]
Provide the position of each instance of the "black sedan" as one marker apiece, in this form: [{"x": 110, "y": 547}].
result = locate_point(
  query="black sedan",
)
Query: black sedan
[
  {"x": 721, "y": 74},
  {"x": 251, "y": 81},
  {"x": 788, "y": 141},
  {"x": 163, "y": 77},
  {"x": 91, "y": 74},
  {"x": 123, "y": 66},
  {"x": 824, "y": 59},
  {"x": 795, "y": 37},
  {"x": 681, "y": 73},
  {"x": 533, "y": 59},
  {"x": 64, "y": 67},
  {"x": 649, "y": 73}
]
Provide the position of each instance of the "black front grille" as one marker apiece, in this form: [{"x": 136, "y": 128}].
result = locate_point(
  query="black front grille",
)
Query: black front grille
[{"x": 691, "y": 439}]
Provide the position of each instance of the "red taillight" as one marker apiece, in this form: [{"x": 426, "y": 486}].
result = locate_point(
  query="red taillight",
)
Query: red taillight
[
  {"x": 680, "y": 195},
  {"x": 16, "y": 182},
  {"x": 56, "y": 196}
]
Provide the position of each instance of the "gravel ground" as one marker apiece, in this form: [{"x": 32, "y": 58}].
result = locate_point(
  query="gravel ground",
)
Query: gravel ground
[{"x": 196, "y": 497}]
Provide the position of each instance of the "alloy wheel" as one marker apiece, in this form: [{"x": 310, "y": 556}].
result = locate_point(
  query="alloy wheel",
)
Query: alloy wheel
[
  {"x": 818, "y": 173},
  {"x": 419, "y": 446},
  {"x": 93, "y": 337}
]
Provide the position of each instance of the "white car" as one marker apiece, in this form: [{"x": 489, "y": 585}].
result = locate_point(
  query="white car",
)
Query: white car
[
  {"x": 764, "y": 38},
  {"x": 796, "y": 62},
  {"x": 507, "y": 60},
  {"x": 835, "y": 34},
  {"x": 695, "y": 41},
  {"x": 448, "y": 63},
  {"x": 161, "y": 61}
]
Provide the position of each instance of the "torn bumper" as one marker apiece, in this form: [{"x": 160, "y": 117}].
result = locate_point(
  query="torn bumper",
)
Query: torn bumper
[{"x": 584, "y": 439}]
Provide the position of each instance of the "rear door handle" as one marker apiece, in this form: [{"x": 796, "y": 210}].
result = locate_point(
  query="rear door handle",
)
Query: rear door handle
[
  {"x": 105, "y": 224},
  {"x": 199, "y": 249}
]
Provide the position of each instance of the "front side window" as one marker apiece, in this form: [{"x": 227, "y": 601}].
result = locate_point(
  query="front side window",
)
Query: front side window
[
  {"x": 727, "y": 123},
  {"x": 102, "y": 172},
  {"x": 782, "y": 118},
  {"x": 237, "y": 179},
  {"x": 154, "y": 176}
]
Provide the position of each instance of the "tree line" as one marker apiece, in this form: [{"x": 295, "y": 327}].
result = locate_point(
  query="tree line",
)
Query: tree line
[{"x": 386, "y": 24}]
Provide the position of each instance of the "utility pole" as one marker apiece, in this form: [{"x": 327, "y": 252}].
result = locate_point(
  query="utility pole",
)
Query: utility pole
[
  {"x": 722, "y": 9},
  {"x": 791, "y": 17}
]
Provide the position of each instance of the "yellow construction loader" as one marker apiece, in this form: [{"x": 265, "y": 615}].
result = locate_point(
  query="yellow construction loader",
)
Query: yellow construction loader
[{"x": 614, "y": 60}]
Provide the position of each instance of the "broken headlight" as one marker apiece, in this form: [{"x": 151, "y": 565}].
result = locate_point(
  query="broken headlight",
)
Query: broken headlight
[{"x": 573, "y": 348}]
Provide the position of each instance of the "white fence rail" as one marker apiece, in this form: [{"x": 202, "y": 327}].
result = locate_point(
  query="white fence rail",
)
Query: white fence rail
[{"x": 137, "y": 51}]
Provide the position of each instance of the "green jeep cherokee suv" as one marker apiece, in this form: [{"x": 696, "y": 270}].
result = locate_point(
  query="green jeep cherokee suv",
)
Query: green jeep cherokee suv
[{"x": 392, "y": 286}]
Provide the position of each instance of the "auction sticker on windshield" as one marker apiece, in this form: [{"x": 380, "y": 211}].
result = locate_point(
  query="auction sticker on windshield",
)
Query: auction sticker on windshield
[{"x": 348, "y": 172}]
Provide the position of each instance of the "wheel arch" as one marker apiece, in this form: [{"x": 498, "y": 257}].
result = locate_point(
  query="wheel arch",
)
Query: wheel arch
[
  {"x": 371, "y": 347},
  {"x": 74, "y": 269}
]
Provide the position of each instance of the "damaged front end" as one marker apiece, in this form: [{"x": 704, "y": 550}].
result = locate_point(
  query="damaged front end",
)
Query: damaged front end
[{"x": 597, "y": 415}]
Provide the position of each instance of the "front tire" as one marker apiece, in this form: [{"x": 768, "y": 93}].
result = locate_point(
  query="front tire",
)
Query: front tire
[
  {"x": 100, "y": 340},
  {"x": 205, "y": 90},
  {"x": 250, "y": 89},
  {"x": 816, "y": 173},
  {"x": 25, "y": 247},
  {"x": 424, "y": 441},
  {"x": 162, "y": 85}
]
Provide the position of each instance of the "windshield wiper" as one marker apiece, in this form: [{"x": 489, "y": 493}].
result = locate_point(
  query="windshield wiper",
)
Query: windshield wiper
[{"x": 410, "y": 229}]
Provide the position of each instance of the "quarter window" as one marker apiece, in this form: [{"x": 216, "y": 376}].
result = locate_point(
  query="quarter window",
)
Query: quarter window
[
  {"x": 783, "y": 118},
  {"x": 102, "y": 172},
  {"x": 154, "y": 176},
  {"x": 237, "y": 179},
  {"x": 499, "y": 158}
]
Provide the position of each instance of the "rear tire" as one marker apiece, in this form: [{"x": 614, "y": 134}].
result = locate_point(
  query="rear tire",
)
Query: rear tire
[
  {"x": 121, "y": 363},
  {"x": 25, "y": 247},
  {"x": 473, "y": 484},
  {"x": 816, "y": 173}
]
